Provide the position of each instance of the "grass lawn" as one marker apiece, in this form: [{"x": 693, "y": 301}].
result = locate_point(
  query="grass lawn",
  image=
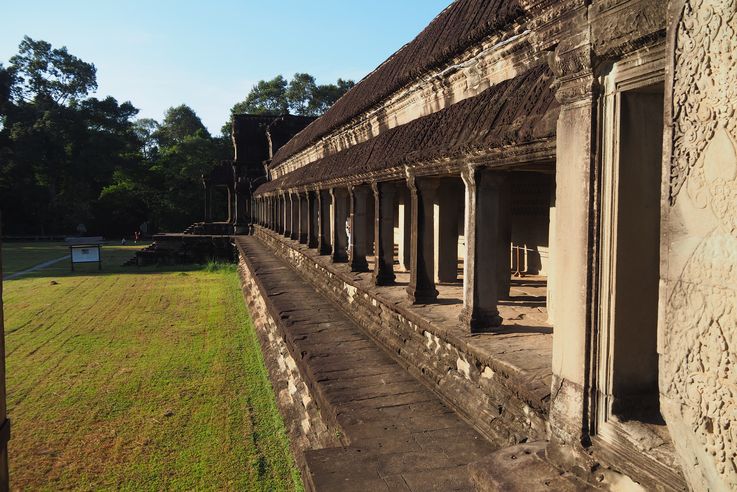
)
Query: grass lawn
[
  {"x": 20, "y": 256},
  {"x": 139, "y": 379}
]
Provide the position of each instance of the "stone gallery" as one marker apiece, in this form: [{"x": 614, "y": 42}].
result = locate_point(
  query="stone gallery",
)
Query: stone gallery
[{"x": 508, "y": 256}]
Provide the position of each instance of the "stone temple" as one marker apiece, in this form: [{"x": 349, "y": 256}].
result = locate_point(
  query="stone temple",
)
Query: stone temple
[{"x": 507, "y": 258}]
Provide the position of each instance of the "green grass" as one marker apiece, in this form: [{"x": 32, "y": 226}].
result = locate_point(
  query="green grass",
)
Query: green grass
[
  {"x": 139, "y": 379},
  {"x": 20, "y": 256}
]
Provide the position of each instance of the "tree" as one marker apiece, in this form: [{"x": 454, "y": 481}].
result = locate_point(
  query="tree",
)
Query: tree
[
  {"x": 325, "y": 96},
  {"x": 5, "y": 83},
  {"x": 300, "y": 94},
  {"x": 266, "y": 97},
  {"x": 146, "y": 130},
  {"x": 167, "y": 184},
  {"x": 39, "y": 71},
  {"x": 179, "y": 122}
]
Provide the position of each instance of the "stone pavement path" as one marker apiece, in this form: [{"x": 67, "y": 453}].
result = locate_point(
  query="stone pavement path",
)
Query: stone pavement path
[
  {"x": 400, "y": 435},
  {"x": 34, "y": 268}
]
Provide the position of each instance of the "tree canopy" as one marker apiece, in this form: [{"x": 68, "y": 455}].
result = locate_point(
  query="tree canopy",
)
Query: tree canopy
[
  {"x": 40, "y": 71},
  {"x": 301, "y": 96},
  {"x": 67, "y": 157}
]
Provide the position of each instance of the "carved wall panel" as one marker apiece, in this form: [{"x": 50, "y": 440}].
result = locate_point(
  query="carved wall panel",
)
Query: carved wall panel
[
  {"x": 621, "y": 26},
  {"x": 698, "y": 368}
]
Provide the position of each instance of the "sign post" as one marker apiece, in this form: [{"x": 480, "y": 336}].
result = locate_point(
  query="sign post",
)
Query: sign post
[{"x": 85, "y": 252}]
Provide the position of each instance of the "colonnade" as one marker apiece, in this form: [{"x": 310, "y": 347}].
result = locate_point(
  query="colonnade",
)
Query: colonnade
[{"x": 352, "y": 222}]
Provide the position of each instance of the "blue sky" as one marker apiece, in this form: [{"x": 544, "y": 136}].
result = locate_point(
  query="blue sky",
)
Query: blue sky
[{"x": 208, "y": 54}]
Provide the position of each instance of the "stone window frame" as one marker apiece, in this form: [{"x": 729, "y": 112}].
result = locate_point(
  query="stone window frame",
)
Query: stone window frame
[{"x": 640, "y": 69}]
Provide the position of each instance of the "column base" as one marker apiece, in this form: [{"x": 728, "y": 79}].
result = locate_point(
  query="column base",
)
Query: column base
[
  {"x": 359, "y": 264},
  {"x": 478, "y": 322},
  {"x": 422, "y": 296},
  {"x": 324, "y": 249},
  {"x": 312, "y": 243},
  {"x": 303, "y": 239},
  {"x": 385, "y": 279},
  {"x": 294, "y": 236},
  {"x": 339, "y": 258}
]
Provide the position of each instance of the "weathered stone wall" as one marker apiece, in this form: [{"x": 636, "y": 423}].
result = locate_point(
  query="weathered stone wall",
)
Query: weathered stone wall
[
  {"x": 305, "y": 425},
  {"x": 698, "y": 322},
  {"x": 479, "y": 390}
]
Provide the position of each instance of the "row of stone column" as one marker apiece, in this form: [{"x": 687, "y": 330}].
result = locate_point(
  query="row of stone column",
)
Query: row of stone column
[{"x": 337, "y": 223}]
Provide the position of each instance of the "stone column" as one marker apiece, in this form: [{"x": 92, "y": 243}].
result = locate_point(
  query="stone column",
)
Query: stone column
[
  {"x": 340, "y": 213},
  {"x": 446, "y": 231},
  {"x": 323, "y": 222},
  {"x": 283, "y": 214},
  {"x": 384, "y": 232},
  {"x": 487, "y": 231},
  {"x": 312, "y": 218},
  {"x": 578, "y": 91},
  {"x": 358, "y": 217},
  {"x": 288, "y": 214},
  {"x": 229, "y": 197},
  {"x": 303, "y": 217},
  {"x": 264, "y": 210},
  {"x": 294, "y": 229},
  {"x": 251, "y": 210},
  {"x": 423, "y": 192},
  {"x": 272, "y": 212},
  {"x": 405, "y": 228}
]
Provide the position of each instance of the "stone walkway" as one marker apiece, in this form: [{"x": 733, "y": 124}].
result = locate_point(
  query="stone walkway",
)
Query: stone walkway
[
  {"x": 400, "y": 435},
  {"x": 35, "y": 268}
]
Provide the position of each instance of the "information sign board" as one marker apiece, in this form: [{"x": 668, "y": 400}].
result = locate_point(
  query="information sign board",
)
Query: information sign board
[{"x": 85, "y": 253}]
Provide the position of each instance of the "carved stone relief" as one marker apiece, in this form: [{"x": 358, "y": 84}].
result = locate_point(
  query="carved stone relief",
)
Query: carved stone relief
[{"x": 699, "y": 364}]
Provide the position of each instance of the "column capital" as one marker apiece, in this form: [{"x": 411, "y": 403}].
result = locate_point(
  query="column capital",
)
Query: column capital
[
  {"x": 382, "y": 188},
  {"x": 359, "y": 189},
  {"x": 428, "y": 184}
]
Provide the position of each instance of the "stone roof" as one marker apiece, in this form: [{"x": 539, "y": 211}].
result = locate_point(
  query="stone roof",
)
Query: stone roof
[
  {"x": 517, "y": 111},
  {"x": 454, "y": 30}
]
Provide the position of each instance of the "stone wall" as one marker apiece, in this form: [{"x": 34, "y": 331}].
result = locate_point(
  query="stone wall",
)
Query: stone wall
[
  {"x": 698, "y": 321},
  {"x": 305, "y": 424},
  {"x": 480, "y": 391}
]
